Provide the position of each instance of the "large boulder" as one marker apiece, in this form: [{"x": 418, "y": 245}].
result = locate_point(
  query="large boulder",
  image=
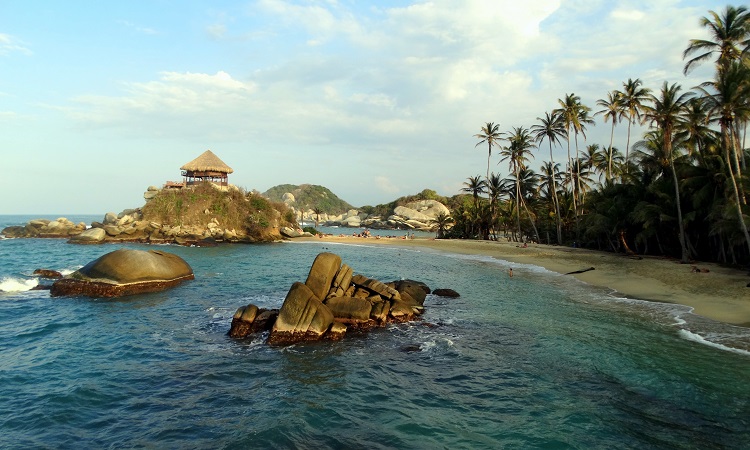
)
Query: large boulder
[
  {"x": 250, "y": 319},
  {"x": 322, "y": 272},
  {"x": 125, "y": 272},
  {"x": 302, "y": 317},
  {"x": 90, "y": 236},
  {"x": 413, "y": 289},
  {"x": 350, "y": 309}
]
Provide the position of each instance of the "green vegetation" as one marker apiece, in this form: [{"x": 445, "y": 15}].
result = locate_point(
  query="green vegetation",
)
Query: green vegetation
[
  {"x": 309, "y": 196},
  {"x": 680, "y": 190},
  {"x": 233, "y": 209}
]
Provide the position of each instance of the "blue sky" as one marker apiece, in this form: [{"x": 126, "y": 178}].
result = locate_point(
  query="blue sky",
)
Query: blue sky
[{"x": 374, "y": 100}]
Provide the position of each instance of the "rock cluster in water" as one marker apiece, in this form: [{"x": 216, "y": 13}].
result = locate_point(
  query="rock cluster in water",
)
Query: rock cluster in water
[
  {"x": 331, "y": 301},
  {"x": 128, "y": 226},
  {"x": 125, "y": 272}
]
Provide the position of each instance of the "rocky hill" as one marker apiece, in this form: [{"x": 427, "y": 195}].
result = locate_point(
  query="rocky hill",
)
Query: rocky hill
[
  {"x": 308, "y": 197},
  {"x": 197, "y": 215}
]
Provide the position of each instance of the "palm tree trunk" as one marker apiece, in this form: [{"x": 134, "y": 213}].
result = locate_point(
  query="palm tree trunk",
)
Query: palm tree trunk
[
  {"x": 489, "y": 153},
  {"x": 554, "y": 196},
  {"x": 518, "y": 204},
  {"x": 733, "y": 140},
  {"x": 531, "y": 219},
  {"x": 685, "y": 258},
  {"x": 737, "y": 202},
  {"x": 627, "y": 146},
  {"x": 609, "y": 152}
]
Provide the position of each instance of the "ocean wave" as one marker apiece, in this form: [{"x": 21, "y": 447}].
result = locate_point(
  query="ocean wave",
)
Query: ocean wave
[
  {"x": 695, "y": 337},
  {"x": 17, "y": 284}
]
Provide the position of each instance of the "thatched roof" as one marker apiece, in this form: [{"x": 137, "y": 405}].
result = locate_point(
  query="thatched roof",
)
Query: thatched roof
[{"x": 207, "y": 162}]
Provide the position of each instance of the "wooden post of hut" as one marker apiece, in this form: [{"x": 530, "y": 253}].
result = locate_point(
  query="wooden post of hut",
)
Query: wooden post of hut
[{"x": 206, "y": 167}]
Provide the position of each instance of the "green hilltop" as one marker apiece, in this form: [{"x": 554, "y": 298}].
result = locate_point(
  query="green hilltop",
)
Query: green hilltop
[{"x": 309, "y": 196}]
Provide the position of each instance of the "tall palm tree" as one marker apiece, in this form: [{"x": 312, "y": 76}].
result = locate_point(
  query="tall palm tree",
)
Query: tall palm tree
[
  {"x": 552, "y": 128},
  {"x": 729, "y": 37},
  {"x": 727, "y": 98},
  {"x": 517, "y": 154},
  {"x": 664, "y": 112},
  {"x": 490, "y": 134},
  {"x": 569, "y": 112},
  {"x": 633, "y": 97},
  {"x": 612, "y": 109}
]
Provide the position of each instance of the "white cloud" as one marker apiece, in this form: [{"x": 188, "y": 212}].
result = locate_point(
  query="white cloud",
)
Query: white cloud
[
  {"x": 405, "y": 86},
  {"x": 11, "y": 44},
  {"x": 384, "y": 184}
]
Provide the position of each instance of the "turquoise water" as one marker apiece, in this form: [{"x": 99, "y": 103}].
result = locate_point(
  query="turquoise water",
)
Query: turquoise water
[{"x": 536, "y": 361}]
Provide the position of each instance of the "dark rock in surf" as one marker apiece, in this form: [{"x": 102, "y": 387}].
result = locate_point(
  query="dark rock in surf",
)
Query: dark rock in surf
[
  {"x": 47, "y": 273},
  {"x": 125, "y": 272},
  {"x": 450, "y": 293}
]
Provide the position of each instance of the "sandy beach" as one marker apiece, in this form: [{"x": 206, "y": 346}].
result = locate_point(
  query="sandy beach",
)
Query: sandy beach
[{"x": 720, "y": 294}]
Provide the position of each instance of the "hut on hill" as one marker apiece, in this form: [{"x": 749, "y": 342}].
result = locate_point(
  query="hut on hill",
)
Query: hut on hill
[{"x": 206, "y": 167}]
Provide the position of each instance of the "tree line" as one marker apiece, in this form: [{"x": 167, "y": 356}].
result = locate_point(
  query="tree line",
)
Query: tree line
[{"x": 678, "y": 190}]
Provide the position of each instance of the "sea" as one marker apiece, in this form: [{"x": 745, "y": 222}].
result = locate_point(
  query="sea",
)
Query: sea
[{"x": 539, "y": 360}]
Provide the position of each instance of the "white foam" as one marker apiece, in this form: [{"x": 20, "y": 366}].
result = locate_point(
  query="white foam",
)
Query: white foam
[
  {"x": 690, "y": 336},
  {"x": 17, "y": 285}
]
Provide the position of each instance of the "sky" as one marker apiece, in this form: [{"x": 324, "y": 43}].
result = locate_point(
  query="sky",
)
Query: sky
[{"x": 372, "y": 99}]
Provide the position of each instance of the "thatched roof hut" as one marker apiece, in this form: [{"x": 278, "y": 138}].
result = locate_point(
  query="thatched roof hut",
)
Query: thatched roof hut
[{"x": 206, "y": 167}]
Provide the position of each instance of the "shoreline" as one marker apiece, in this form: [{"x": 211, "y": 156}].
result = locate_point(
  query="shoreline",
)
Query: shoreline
[{"x": 720, "y": 294}]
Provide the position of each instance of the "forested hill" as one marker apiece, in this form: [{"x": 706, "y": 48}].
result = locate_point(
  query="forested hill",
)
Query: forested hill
[{"x": 309, "y": 196}]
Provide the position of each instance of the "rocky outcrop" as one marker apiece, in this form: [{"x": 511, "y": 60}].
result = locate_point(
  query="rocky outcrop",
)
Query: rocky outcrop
[
  {"x": 418, "y": 215},
  {"x": 44, "y": 228},
  {"x": 125, "y": 272},
  {"x": 129, "y": 226},
  {"x": 332, "y": 301},
  {"x": 90, "y": 236}
]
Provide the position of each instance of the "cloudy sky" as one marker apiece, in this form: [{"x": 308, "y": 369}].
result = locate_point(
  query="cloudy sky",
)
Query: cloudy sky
[{"x": 374, "y": 100}]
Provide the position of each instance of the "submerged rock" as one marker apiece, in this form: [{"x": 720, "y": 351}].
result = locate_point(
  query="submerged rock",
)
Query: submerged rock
[
  {"x": 450, "y": 293},
  {"x": 125, "y": 272}
]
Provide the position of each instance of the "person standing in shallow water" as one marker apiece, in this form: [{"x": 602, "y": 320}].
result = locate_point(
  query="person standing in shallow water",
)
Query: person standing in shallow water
[{"x": 510, "y": 272}]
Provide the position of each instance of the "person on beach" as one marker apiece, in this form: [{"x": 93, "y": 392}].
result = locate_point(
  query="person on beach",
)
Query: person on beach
[{"x": 510, "y": 272}]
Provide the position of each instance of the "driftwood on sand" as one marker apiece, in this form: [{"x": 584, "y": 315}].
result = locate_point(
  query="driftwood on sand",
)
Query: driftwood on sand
[{"x": 579, "y": 271}]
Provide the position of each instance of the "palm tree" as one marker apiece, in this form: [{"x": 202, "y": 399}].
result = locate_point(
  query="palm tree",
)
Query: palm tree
[
  {"x": 595, "y": 159},
  {"x": 475, "y": 186},
  {"x": 495, "y": 188},
  {"x": 442, "y": 222},
  {"x": 725, "y": 99},
  {"x": 569, "y": 115},
  {"x": 664, "y": 112},
  {"x": 317, "y": 211},
  {"x": 633, "y": 97},
  {"x": 611, "y": 110},
  {"x": 729, "y": 32},
  {"x": 693, "y": 128},
  {"x": 549, "y": 176},
  {"x": 491, "y": 135},
  {"x": 552, "y": 128},
  {"x": 517, "y": 154}
]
